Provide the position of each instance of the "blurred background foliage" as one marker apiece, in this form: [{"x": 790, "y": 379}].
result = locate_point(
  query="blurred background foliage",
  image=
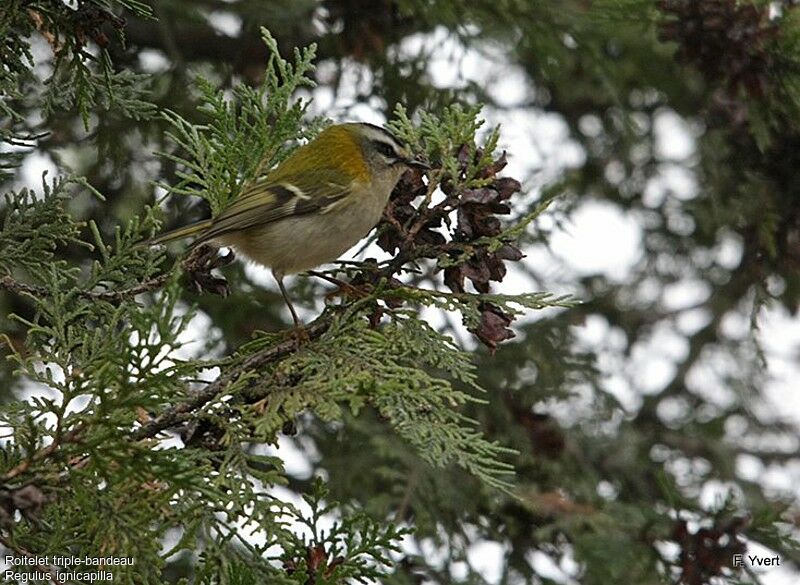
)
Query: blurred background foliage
[{"x": 614, "y": 484}]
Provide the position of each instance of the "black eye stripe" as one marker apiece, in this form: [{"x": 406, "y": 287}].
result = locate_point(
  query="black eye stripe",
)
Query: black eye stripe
[{"x": 385, "y": 149}]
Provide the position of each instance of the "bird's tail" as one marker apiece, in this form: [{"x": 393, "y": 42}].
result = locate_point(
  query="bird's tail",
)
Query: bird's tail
[{"x": 181, "y": 232}]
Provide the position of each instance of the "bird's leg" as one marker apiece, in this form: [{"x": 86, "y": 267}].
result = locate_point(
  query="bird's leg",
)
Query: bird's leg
[
  {"x": 295, "y": 318},
  {"x": 300, "y": 333}
]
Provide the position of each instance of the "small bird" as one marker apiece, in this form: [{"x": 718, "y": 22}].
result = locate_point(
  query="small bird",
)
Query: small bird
[{"x": 314, "y": 206}]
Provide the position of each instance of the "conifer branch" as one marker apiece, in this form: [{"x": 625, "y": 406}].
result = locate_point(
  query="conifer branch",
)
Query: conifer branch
[
  {"x": 15, "y": 286},
  {"x": 43, "y": 454},
  {"x": 180, "y": 412},
  {"x": 10, "y": 284},
  {"x": 198, "y": 261}
]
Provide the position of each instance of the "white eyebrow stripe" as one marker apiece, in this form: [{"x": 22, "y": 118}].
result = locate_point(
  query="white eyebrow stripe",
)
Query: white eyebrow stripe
[
  {"x": 378, "y": 134},
  {"x": 376, "y": 130}
]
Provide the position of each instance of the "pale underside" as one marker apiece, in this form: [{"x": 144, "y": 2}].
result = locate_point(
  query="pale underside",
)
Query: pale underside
[{"x": 315, "y": 238}]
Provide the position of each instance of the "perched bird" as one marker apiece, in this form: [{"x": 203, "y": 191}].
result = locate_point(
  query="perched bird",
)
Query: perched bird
[{"x": 314, "y": 206}]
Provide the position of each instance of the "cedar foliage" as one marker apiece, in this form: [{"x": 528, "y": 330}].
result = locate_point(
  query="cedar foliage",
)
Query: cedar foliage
[{"x": 421, "y": 436}]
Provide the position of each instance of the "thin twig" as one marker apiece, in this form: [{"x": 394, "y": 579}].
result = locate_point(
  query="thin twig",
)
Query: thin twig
[
  {"x": 182, "y": 411},
  {"x": 13, "y": 285},
  {"x": 43, "y": 453},
  {"x": 9, "y": 283},
  {"x": 179, "y": 412},
  {"x": 411, "y": 485},
  {"x": 190, "y": 263}
]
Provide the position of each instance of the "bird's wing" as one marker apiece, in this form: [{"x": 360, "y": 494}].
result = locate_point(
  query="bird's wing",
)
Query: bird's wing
[{"x": 264, "y": 201}]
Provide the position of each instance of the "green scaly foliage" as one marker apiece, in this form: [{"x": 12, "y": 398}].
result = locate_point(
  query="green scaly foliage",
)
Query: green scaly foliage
[{"x": 106, "y": 353}]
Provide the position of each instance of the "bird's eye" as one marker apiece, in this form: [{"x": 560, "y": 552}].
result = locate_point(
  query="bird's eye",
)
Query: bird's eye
[{"x": 385, "y": 149}]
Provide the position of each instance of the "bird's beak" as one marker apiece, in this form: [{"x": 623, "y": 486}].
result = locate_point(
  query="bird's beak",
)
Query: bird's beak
[{"x": 417, "y": 164}]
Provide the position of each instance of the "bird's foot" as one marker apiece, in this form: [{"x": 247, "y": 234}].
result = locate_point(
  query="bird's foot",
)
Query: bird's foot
[{"x": 299, "y": 335}]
